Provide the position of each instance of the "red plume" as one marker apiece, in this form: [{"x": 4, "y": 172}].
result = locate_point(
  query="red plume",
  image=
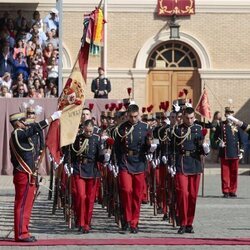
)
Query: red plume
[
  {"x": 150, "y": 108},
  {"x": 106, "y": 106},
  {"x": 166, "y": 105},
  {"x": 119, "y": 106},
  {"x": 204, "y": 132},
  {"x": 110, "y": 141},
  {"x": 143, "y": 109},
  {"x": 129, "y": 90},
  {"x": 185, "y": 91},
  {"x": 181, "y": 93},
  {"x": 91, "y": 106}
]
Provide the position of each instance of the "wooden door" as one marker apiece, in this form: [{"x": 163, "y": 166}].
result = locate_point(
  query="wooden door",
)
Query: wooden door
[
  {"x": 160, "y": 88},
  {"x": 165, "y": 85}
]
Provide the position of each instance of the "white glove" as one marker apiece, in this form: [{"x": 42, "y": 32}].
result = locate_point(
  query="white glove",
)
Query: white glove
[
  {"x": 236, "y": 121},
  {"x": 106, "y": 157},
  {"x": 153, "y": 148},
  {"x": 167, "y": 121},
  {"x": 240, "y": 155},
  {"x": 164, "y": 159},
  {"x": 56, "y": 115},
  {"x": 149, "y": 157},
  {"x": 172, "y": 171},
  {"x": 67, "y": 170},
  {"x": 206, "y": 148},
  {"x": 222, "y": 144},
  {"x": 110, "y": 167},
  {"x": 153, "y": 164}
]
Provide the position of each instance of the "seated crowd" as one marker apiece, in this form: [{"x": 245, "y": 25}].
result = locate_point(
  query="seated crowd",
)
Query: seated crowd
[{"x": 29, "y": 55}]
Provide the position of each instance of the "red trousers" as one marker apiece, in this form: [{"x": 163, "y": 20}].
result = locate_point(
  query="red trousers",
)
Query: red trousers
[
  {"x": 187, "y": 187},
  {"x": 86, "y": 190},
  {"x": 24, "y": 199},
  {"x": 229, "y": 175},
  {"x": 131, "y": 186}
]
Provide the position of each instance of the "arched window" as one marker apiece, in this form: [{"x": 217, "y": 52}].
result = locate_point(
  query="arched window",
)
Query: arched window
[{"x": 173, "y": 54}]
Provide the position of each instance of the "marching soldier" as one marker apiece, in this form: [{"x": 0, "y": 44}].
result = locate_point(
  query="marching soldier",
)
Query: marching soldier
[
  {"x": 131, "y": 144},
  {"x": 101, "y": 85},
  {"x": 228, "y": 138},
  {"x": 24, "y": 160},
  {"x": 85, "y": 155},
  {"x": 189, "y": 146}
]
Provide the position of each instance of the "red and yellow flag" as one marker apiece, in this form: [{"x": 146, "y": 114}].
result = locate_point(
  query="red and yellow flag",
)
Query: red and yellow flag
[
  {"x": 63, "y": 132},
  {"x": 203, "y": 106}
]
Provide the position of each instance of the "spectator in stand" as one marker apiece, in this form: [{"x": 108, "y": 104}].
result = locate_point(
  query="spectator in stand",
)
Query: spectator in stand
[
  {"x": 37, "y": 84},
  {"x": 52, "y": 20},
  {"x": 20, "y": 47},
  {"x": 11, "y": 28},
  {"x": 47, "y": 52},
  {"x": 52, "y": 69},
  {"x": 20, "y": 92},
  {"x": 5, "y": 38},
  {"x": 30, "y": 49},
  {"x": 21, "y": 66},
  {"x": 6, "y": 80},
  {"x": 48, "y": 88},
  {"x": 18, "y": 20},
  {"x": 19, "y": 80},
  {"x": 52, "y": 39},
  {"x": 54, "y": 92},
  {"x": 32, "y": 92},
  {"x": 4, "y": 92},
  {"x": 37, "y": 20},
  {"x": 40, "y": 35},
  {"x": 23, "y": 30},
  {"x": 6, "y": 60},
  {"x": 4, "y": 19},
  {"x": 41, "y": 91}
]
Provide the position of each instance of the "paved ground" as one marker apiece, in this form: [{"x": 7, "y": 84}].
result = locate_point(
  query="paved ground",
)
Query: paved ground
[{"x": 216, "y": 217}]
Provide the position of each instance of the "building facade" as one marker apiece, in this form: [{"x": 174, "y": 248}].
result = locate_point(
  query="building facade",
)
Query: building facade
[{"x": 212, "y": 51}]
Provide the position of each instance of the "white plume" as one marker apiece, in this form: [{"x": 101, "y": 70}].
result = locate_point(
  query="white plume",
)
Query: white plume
[
  {"x": 31, "y": 101},
  {"x": 25, "y": 105},
  {"x": 188, "y": 105},
  {"x": 176, "y": 107},
  {"x": 38, "y": 109}
]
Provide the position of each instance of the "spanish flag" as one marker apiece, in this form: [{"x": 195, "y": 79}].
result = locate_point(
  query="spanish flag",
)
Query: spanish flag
[{"x": 63, "y": 132}]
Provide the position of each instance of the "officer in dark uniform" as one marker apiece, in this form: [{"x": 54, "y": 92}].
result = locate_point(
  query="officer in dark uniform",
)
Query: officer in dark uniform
[
  {"x": 85, "y": 155},
  {"x": 227, "y": 137},
  {"x": 189, "y": 145},
  {"x": 101, "y": 85},
  {"x": 24, "y": 158},
  {"x": 131, "y": 144}
]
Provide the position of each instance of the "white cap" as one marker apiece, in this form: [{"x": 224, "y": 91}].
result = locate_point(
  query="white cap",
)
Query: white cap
[{"x": 54, "y": 10}]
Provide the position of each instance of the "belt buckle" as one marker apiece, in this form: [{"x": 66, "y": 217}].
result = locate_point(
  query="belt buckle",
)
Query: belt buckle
[
  {"x": 188, "y": 153},
  {"x": 130, "y": 153},
  {"x": 85, "y": 161}
]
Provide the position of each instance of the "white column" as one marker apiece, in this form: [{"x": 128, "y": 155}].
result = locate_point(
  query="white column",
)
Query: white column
[
  {"x": 59, "y": 4},
  {"x": 105, "y": 39}
]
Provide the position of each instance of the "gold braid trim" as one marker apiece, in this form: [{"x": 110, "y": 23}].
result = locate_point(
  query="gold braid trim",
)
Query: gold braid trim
[
  {"x": 184, "y": 137},
  {"x": 126, "y": 134},
  {"x": 84, "y": 147},
  {"x": 165, "y": 137},
  {"x": 19, "y": 145}
]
